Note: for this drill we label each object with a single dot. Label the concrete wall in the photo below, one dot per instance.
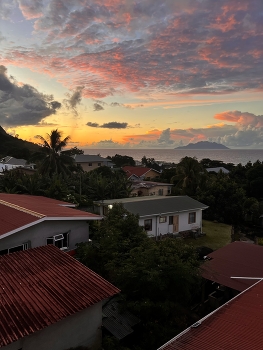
(154, 191)
(37, 234)
(80, 329)
(164, 228)
(94, 165)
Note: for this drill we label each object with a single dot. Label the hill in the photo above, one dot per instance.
(203, 145)
(15, 147)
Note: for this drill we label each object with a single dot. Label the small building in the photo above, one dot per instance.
(150, 188)
(90, 162)
(217, 170)
(49, 300)
(32, 221)
(140, 173)
(161, 215)
(9, 162)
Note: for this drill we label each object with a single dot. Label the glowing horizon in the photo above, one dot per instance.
(121, 73)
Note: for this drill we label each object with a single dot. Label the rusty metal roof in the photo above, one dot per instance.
(236, 259)
(17, 211)
(237, 325)
(41, 286)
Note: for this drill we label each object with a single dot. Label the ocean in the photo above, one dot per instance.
(234, 156)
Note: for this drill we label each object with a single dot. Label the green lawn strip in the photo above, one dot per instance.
(217, 235)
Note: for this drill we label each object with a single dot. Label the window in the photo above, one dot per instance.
(99, 164)
(192, 218)
(171, 220)
(90, 164)
(17, 248)
(162, 219)
(148, 225)
(160, 192)
(61, 240)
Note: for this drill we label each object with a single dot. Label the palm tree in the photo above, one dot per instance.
(188, 173)
(54, 161)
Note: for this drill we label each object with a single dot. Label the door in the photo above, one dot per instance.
(176, 223)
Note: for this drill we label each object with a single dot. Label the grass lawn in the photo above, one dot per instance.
(217, 235)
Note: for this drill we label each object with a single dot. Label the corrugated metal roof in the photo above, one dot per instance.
(237, 325)
(235, 259)
(40, 286)
(155, 205)
(119, 323)
(17, 210)
(85, 158)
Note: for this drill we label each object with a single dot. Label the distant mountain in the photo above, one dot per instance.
(203, 145)
(15, 147)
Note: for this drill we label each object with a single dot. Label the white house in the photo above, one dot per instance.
(90, 162)
(161, 215)
(8, 163)
(32, 221)
(49, 300)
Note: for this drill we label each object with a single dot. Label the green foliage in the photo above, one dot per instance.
(224, 198)
(53, 161)
(188, 176)
(158, 279)
(150, 163)
(121, 161)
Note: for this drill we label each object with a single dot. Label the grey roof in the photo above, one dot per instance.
(156, 205)
(217, 169)
(13, 161)
(85, 158)
(118, 323)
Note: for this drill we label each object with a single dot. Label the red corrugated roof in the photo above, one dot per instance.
(234, 260)
(19, 210)
(138, 171)
(43, 205)
(237, 325)
(41, 286)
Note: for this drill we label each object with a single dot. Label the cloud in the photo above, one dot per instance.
(74, 99)
(97, 107)
(93, 125)
(143, 48)
(110, 125)
(241, 118)
(23, 104)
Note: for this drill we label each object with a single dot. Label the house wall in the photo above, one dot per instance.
(153, 191)
(151, 174)
(80, 329)
(94, 165)
(164, 228)
(37, 234)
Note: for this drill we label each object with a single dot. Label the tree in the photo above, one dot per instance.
(159, 280)
(188, 174)
(53, 161)
(150, 163)
(121, 161)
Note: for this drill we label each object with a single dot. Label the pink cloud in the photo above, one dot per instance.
(241, 118)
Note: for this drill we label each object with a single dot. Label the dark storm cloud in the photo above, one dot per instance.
(97, 107)
(110, 125)
(23, 105)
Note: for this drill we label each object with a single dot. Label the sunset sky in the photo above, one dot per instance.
(133, 73)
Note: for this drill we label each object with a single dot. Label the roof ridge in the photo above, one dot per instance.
(25, 210)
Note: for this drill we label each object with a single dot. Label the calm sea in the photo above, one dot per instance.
(234, 156)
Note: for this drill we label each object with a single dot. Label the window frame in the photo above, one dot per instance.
(148, 223)
(162, 219)
(89, 164)
(190, 220)
(24, 246)
(58, 238)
